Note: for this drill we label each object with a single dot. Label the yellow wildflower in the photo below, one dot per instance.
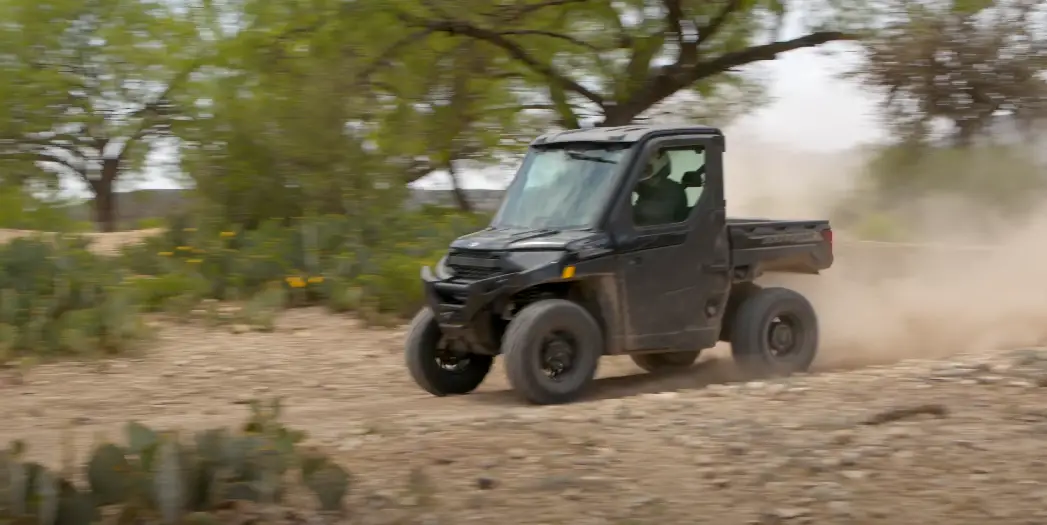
(184, 248)
(194, 261)
(166, 254)
(295, 282)
(316, 280)
(228, 234)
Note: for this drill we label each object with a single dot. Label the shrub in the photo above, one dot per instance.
(158, 477)
(56, 298)
(20, 209)
(325, 260)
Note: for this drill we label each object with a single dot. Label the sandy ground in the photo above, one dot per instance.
(688, 448)
(106, 243)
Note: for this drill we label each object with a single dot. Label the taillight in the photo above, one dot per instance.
(827, 234)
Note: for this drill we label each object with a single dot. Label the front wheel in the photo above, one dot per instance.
(551, 350)
(435, 365)
(774, 333)
(666, 361)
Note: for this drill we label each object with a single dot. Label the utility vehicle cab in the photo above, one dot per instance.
(614, 241)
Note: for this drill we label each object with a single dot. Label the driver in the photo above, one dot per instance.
(660, 200)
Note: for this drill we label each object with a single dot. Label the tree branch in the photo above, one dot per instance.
(551, 34)
(499, 39)
(47, 157)
(729, 61)
(151, 109)
(676, 77)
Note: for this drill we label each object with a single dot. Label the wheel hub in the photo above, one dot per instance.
(782, 336)
(557, 356)
(449, 359)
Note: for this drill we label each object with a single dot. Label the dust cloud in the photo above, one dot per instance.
(973, 282)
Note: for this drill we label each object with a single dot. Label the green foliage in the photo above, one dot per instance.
(20, 210)
(901, 181)
(159, 477)
(638, 56)
(987, 56)
(1002, 178)
(70, 64)
(329, 260)
(58, 298)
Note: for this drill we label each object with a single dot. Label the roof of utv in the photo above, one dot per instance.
(630, 133)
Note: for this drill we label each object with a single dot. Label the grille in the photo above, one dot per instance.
(474, 265)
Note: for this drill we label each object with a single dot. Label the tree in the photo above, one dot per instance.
(956, 70)
(86, 85)
(614, 60)
(451, 106)
(279, 130)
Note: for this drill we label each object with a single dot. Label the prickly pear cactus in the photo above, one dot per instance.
(13, 483)
(109, 475)
(45, 497)
(169, 482)
(158, 479)
(140, 438)
(75, 507)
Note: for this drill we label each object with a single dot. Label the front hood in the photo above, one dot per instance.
(507, 239)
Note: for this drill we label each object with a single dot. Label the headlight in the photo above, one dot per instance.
(532, 260)
(442, 271)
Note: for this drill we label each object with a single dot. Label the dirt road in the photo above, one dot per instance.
(683, 449)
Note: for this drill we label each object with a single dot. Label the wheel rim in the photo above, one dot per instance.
(449, 359)
(783, 335)
(559, 355)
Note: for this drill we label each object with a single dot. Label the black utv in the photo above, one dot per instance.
(615, 241)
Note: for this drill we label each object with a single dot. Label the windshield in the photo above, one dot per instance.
(561, 187)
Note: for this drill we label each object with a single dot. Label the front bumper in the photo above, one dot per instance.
(456, 304)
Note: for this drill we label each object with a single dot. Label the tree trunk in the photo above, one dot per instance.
(105, 209)
(618, 116)
(460, 198)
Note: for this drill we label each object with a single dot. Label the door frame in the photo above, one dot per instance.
(630, 239)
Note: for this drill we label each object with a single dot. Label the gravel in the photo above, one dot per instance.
(951, 441)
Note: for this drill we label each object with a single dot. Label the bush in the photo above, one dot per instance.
(995, 177)
(157, 477)
(58, 298)
(326, 260)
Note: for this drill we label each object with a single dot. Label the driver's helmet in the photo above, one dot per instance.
(658, 168)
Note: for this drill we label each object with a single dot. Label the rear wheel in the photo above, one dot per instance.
(774, 333)
(438, 366)
(551, 350)
(666, 361)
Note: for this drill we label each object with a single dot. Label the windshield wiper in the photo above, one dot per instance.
(582, 156)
